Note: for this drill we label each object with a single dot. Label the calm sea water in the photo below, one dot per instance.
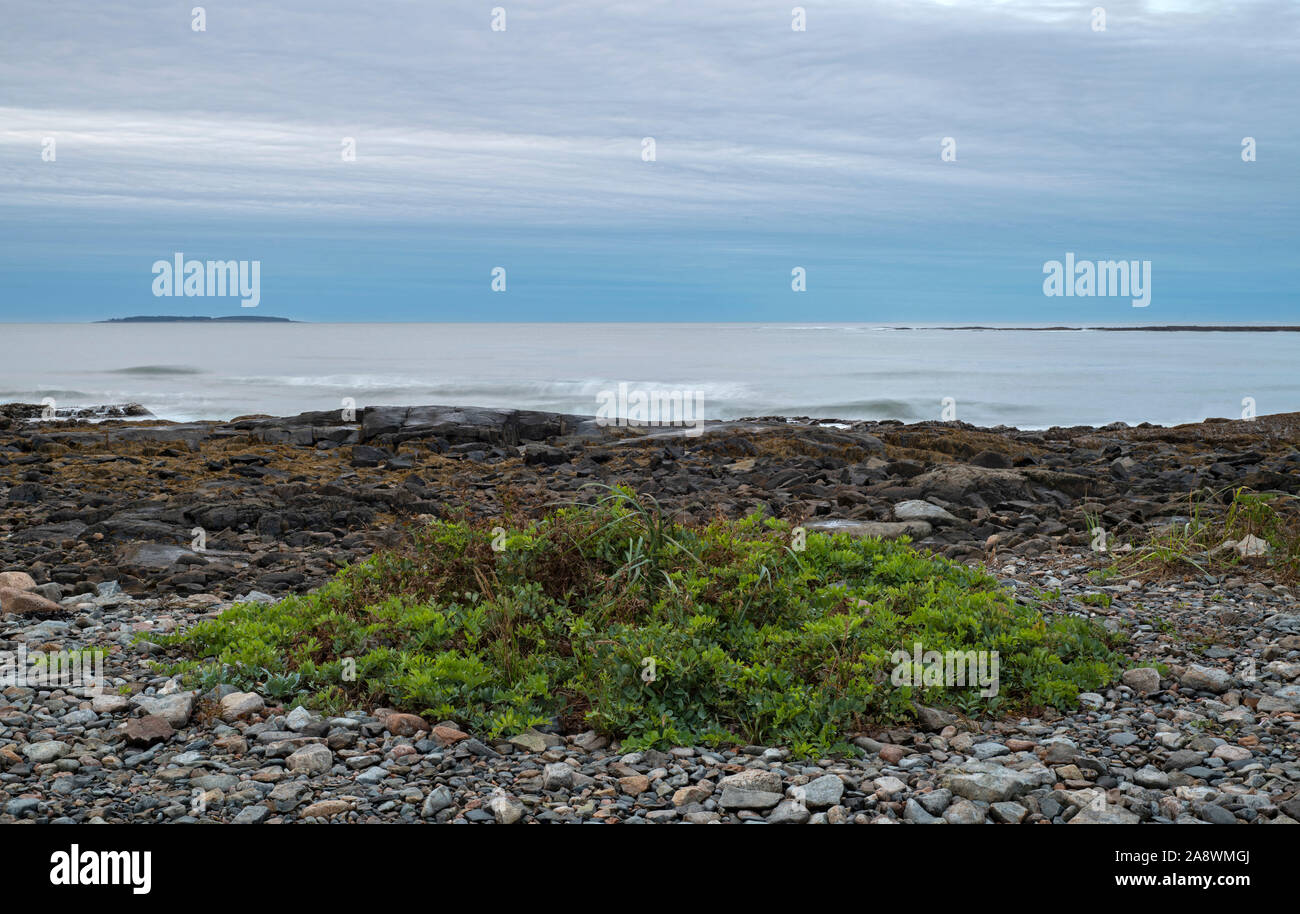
(1021, 378)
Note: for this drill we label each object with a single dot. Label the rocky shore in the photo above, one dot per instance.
(113, 528)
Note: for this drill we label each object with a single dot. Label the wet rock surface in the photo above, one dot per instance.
(278, 504)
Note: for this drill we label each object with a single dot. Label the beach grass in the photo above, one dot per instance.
(1227, 530)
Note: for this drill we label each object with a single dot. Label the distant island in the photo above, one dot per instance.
(172, 319)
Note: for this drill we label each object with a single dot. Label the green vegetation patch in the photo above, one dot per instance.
(1217, 521)
(612, 616)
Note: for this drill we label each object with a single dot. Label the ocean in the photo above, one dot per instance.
(1029, 379)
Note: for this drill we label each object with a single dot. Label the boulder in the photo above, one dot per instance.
(14, 602)
(916, 510)
(17, 580)
(1142, 679)
(988, 782)
(238, 705)
(1206, 679)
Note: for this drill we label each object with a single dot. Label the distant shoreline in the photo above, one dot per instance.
(1155, 328)
(170, 319)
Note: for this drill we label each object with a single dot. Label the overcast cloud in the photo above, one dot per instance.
(764, 136)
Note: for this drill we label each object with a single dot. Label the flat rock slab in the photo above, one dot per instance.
(917, 510)
(988, 782)
(460, 425)
(154, 556)
(885, 530)
(739, 798)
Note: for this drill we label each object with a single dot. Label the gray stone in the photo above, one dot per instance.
(819, 792)
(988, 782)
(1150, 776)
(915, 812)
(1008, 813)
(298, 719)
(989, 750)
(1206, 679)
(438, 799)
(313, 759)
(505, 810)
(287, 795)
(372, 775)
(475, 747)
(758, 779)
(1104, 814)
(1183, 758)
(914, 510)
(557, 776)
(110, 704)
(46, 751)
(238, 705)
(886, 530)
(23, 806)
(789, 812)
(1216, 815)
(175, 709)
(739, 798)
(935, 719)
(530, 741)
(1143, 680)
(963, 812)
(252, 815)
(935, 801)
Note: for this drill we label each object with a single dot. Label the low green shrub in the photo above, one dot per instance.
(611, 616)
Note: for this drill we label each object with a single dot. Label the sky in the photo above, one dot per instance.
(774, 149)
